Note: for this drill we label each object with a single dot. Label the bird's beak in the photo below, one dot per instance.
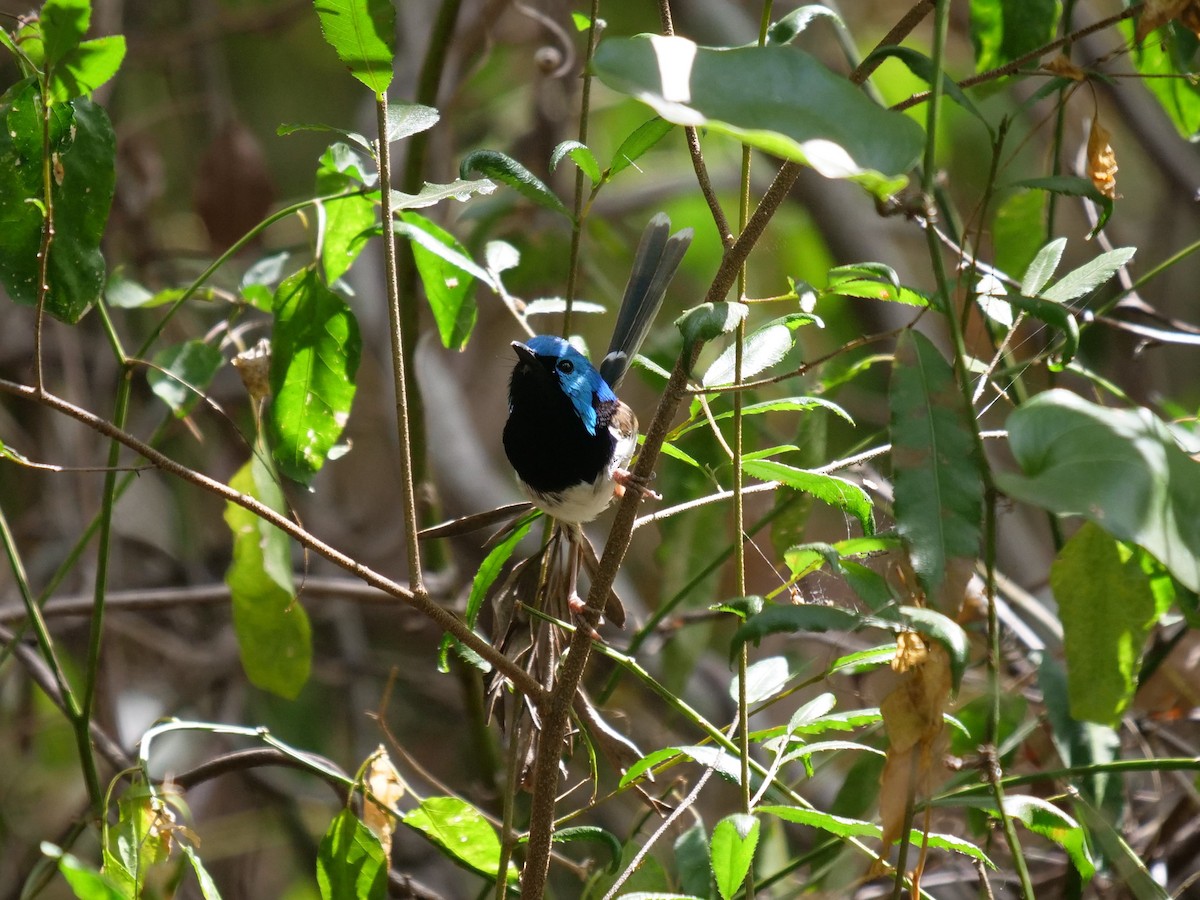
(524, 354)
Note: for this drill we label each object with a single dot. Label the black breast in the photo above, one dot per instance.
(544, 438)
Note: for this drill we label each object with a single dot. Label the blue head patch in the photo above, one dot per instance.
(577, 377)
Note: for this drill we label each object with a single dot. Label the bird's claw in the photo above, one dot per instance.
(583, 615)
(626, 480)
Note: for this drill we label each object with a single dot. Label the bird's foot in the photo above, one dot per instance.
(627, 481)
(584, 616)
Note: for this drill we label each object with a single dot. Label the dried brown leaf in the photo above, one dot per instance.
(1157, 13)
(1063, 66)
(386, 787)
(1101, 160)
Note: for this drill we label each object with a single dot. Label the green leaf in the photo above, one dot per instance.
(803, 617)
(708, 321)
(273, 632)
(1071, 186)
(1119, 468)
(499, 167)
(1107, 609)
(348, 221)
(1016, 230)
(786, 404)
(590, 834)
(1041, 270)
(351, 864)
(86, 883)
(430, 194)
(941, 628)
(734, 841)
(1052, 313)
(806, 558)
(361, 142)
(643, 138)
(64, 23)
(939, 489)
(83, 147)
(1124, 862)
(580, 155)
(184, 371)
(1089, 276)
(724, 764)
(406, 119)
(922, 66)
(763, 348)
(790, 26)
(846, 827)
(777, 99)
(462, 833)
(446, 272)
(877, 290)
(87, 67)
(692, 861)
(208, 888)
(363, 33)
(1165, 61)
(1004, 30)
(837, 492)
(315, 349)
(1044, 818)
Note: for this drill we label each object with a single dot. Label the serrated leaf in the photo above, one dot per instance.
(1041, 270)
(503, 168)
(1107, 609)
(590, 834)
(763, 348)
(775, 98)
(183, 370)
(273, 632)
(406, 119)
(639, 142)
(837, 492)
(430, 193)
(87, 67)
(351, 864)
(1120, 468)
(707, 321)
(461, 832)
(1089, 276)
(580, 155)
(734, 840)
(315, 350)
(446, 273)
(938, 485)
(363, 33)
(83, 150)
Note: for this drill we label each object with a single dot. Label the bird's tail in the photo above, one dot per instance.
(658, 256)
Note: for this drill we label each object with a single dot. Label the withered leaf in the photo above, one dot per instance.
(1101, 160)
(1063, 66)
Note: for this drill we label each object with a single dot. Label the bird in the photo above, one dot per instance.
(568, 436)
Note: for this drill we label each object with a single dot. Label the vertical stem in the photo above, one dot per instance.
(1060, 120)
(929, 175)
(585, 105)
(399, 357)
(43, 286)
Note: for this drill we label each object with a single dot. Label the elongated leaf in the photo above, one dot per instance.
(315, 349)
(83, 149)
(363, 33)
(1071, 186)
(1124, 860)
(803, 617)
(85, 882)
(878, 290)
(590, 834)
(692, 861)
(1089, 276)
(774, 98)
(580, 155)
(274, 636)
(430, 194)
(189, 367)
(725, 764)
(922, 66)
(1044, 818)
(1004, 30)
(734, 840)
(710, 320)
(788, 404)
(446, 273)
(348, 220)
(406, 119)
(1107, 609)
(837, 492)
(1052, 313)
(1041, 270)
(643, 138)
(785, 30)
(763, 348)
(87, 67)
(939, 489)
(208, 887)
(1163, 58)
(502, 168)
(1119, 468)
(461, 832)
(351, 864)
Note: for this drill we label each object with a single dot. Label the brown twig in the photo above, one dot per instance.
(440, 616)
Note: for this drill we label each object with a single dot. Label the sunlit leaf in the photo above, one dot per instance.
(406, 119)
(448, 276)
(763, 348)
(734, 840)
(710, 320)
(580, 155)
(363, 33)
(502, 168)
(461, 832)
(837, 492)
(87, 67)
(644, 137)
(1004, 30)
(183, 370)
(350, 861)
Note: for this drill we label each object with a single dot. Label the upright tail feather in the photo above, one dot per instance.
(654, 265)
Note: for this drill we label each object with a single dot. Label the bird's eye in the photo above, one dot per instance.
(566, 366)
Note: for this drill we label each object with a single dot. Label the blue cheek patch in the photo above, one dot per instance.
(577, 386)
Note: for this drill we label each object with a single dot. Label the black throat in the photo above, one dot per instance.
(544, 438)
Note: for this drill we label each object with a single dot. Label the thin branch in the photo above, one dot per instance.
(440, 616)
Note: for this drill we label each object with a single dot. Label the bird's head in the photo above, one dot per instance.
(552, 362)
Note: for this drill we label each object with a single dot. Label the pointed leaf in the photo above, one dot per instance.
(461, 832)
(1004, 30)
(446, 273)
(837, 492)
(430, 194)
(775, 98)
(351, 864)
(939, 489)
(580, 155)
(1041, 270)
(87, 67)
(315, 350)
(710, 320)
(64, 23)
(273, 632)
(363, 33)
(1119, 468)
(643, 138)
(803, 617)
(692, 861)
(406, 119)
(348, 221)
(1089, 276)
(499, 167)
(762, 349)
(734, 840)
(790, 26)
(189, 367)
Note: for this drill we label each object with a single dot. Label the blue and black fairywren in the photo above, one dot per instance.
(568, 436)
